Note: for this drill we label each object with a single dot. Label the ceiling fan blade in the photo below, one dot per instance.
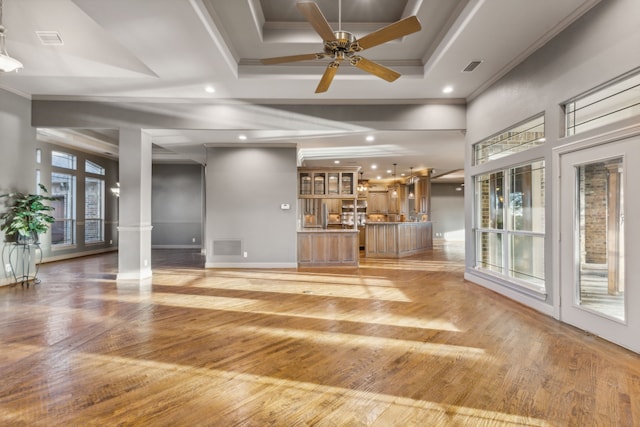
(390, 32)
(327, 77)
(314, 15)
(292, 58)
(374, 68)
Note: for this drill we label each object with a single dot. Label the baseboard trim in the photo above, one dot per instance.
(522, 298)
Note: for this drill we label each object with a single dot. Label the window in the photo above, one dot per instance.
(94, 168)
(65, 177)
(63, 189)
(615, 101)
(509, 224)
(519, 138)
(93, 210)
(63, 160)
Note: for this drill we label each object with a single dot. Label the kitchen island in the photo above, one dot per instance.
(318, 247)
(397, 239)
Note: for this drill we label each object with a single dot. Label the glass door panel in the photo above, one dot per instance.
(333, 182)
(347, 183)
(600, 237)
(305, 184)
(318, 183)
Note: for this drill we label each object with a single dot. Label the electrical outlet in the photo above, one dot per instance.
(193, 239)
(245, 254)
(7, 268)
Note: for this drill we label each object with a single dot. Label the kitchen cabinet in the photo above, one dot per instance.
(336, 182)
(397, 239)
(377, 202)
(318, 248)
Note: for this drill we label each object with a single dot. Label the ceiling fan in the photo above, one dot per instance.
(342, 45)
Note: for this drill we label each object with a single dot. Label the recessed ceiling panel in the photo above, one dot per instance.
(352, 10)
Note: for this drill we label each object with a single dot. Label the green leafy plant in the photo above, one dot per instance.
(27, 216)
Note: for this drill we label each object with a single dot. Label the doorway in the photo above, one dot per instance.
(595, 241)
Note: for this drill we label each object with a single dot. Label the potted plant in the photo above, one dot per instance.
(27, 216)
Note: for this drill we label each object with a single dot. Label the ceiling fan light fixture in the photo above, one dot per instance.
(7, 63)
(342, 45)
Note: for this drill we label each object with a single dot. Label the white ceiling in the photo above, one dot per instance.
(170, 50)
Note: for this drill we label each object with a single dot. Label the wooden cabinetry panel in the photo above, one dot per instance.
(377, 202)
(328, 248)
(395, 240)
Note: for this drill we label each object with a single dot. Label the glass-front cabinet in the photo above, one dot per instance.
(327, 182)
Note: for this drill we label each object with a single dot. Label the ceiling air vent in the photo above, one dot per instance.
(472, 66)
(50, 38)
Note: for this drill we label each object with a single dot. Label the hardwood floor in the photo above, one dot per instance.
(392, 343)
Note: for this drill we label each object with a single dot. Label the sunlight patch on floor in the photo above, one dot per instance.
(275, 308)
(247, 395)
(353, 340)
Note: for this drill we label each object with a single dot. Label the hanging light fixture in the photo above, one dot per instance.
(394, 193)
(7, 63)
(411, 193)
(362, 184)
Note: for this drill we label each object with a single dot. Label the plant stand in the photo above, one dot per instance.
(21, 256)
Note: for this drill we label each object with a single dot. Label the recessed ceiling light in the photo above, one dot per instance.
(389, 171)
(242, 137)
(447, 89)
(371, 138)
(374, 166)
(378, 177)
(336, 162)
(209, 89)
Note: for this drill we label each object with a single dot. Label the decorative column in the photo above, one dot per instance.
(134, 218)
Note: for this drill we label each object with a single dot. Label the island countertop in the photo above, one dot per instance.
(325, 230)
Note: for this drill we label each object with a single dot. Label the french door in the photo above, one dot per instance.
(600, 239)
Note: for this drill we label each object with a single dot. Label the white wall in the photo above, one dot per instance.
(245, 188)
(602, 45)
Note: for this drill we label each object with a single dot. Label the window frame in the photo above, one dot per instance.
(504, 230)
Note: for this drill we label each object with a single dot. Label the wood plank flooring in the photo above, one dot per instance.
(392, 343)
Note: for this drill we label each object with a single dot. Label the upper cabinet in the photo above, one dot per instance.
(327, 183)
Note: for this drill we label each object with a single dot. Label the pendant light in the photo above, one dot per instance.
(411, 193)
(362, 185)
(394, 193)
(7, 63)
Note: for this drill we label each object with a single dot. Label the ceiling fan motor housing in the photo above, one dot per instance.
(345, 42)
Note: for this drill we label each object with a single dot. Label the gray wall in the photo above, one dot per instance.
(17, 155)
(245, 188)
(17, 144)
(447, 211)
(602, 45)
(177, 205)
